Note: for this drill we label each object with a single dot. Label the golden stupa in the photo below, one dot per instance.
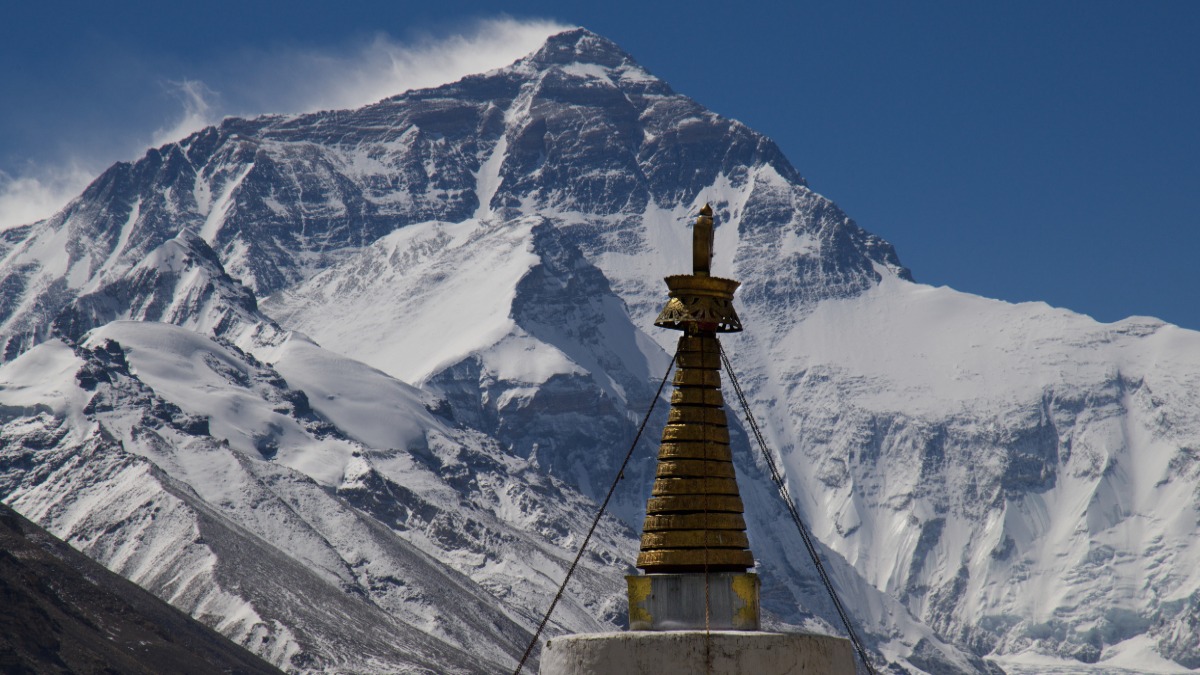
(694, 545)
(695, 607)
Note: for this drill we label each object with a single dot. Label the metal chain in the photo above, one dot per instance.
(791, 507)
(596, 521)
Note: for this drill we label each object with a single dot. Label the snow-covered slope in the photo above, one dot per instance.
(988, 479)
(1023, 477)
(198, 472)
(181, 282)
(521, 337)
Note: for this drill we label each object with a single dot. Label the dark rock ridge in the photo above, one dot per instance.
(64, 613)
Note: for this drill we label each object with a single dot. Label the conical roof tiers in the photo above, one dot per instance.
(694, 517)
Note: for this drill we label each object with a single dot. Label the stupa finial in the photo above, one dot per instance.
(699, 301)
(702, 243)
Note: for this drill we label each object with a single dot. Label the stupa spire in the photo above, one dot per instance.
(694, 517)
(694, 535)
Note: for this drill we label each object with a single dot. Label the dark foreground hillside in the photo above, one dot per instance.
(62, 612)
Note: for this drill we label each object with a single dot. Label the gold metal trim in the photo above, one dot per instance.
(688, 309)
(746, 588)
(694, 486)
(698, 378)
(691, 558)
(699, 359)
(694, 539)
(694, 504)
(702, 243)
(693, 468)
(639, 590)
(715, 287)
(712, 451)
(695, 432)
(697, 396)
(697, 415)
(694, 521)
(694, 343)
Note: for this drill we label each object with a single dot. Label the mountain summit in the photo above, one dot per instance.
(395, 351)
(577, 127)
(580, 45)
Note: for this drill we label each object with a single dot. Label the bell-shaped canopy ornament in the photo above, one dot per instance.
(700, 303)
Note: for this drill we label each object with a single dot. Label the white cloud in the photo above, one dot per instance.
(40, 193)
(286, 81)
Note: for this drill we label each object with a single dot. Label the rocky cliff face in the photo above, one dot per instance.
(987, 479)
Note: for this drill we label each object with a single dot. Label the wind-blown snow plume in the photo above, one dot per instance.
(283, 80)
(323, 79)
(200, 104)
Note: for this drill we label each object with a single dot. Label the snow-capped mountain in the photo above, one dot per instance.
(399, 348)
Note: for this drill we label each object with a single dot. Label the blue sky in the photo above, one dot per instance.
(1019, 150)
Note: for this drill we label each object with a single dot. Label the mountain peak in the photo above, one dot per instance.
(579, 45)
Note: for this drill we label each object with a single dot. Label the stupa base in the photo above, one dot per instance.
(690, 652)
(719, 601)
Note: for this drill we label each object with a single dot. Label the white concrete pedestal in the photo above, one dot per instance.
(686, 653)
